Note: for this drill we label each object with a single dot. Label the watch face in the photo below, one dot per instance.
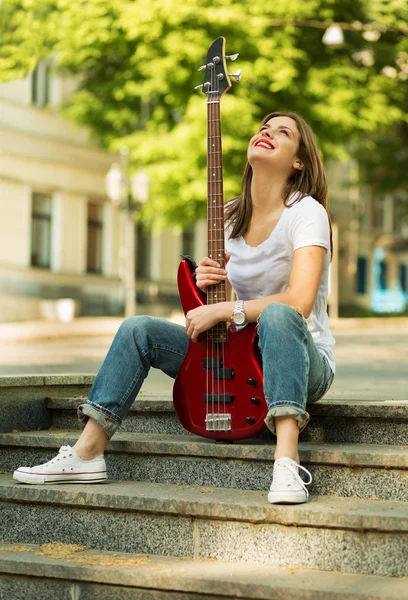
(239, 318)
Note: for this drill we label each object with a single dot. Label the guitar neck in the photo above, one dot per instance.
(215, 195)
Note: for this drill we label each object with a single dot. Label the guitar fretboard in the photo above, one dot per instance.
(215, 196)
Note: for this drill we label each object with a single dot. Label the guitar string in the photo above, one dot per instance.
(216, 190)
(208, 425)
(210, 208)
(212, 333)
(216, 383)
(220, 210)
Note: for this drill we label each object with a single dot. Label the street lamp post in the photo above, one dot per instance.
(127, 194)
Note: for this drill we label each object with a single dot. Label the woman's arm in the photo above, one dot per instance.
(304, 281)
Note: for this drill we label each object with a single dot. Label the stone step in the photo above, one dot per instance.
(37, 401)
(342, 421)
(328, 533)
(349, 470)
(23, 398)
(149, 413)
(61, 571)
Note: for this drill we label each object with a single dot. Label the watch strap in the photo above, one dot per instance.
(239, 309)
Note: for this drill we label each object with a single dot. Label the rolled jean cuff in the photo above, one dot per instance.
(105, 421)
(286, 410)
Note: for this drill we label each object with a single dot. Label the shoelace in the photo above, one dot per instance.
(291, 468)
(62, 451)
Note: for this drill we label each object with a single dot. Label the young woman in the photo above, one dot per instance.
(278, 244)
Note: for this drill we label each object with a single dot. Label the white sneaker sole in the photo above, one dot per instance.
(287, 497)
(44, 478)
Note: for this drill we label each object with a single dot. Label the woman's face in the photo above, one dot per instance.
(276, 143)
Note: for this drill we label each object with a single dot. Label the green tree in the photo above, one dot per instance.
(138, 59)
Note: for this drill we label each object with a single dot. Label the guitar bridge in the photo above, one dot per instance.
(218, 422)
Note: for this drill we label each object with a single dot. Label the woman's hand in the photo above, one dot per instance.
(200, 319)
(209, 272)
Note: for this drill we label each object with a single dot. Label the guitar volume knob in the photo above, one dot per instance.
(249, 420)
(252, 381)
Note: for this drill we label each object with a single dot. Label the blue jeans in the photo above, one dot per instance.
(295, 373)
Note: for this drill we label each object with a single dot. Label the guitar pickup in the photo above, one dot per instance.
(212, 363)
(218, 398)
(224, 374)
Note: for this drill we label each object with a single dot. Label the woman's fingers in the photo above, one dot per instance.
(209, 272)
(211, 275)
(207, 282)
(206, 261)
(209, 279)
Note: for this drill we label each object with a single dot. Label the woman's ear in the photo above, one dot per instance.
(298, 164)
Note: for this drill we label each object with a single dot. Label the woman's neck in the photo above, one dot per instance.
(266, 193)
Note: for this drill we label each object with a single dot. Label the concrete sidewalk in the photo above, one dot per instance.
(108, 326)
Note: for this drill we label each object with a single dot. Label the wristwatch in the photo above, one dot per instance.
(238, 314)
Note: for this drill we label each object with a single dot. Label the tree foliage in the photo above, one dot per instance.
(138, 65)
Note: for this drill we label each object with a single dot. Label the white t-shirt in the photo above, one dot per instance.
(264, 270)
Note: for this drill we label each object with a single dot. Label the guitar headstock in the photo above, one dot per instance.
(217, 79)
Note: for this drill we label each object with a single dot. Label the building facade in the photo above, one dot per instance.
(371, 246)
(60, 236)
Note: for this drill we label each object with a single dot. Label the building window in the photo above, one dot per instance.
(361, 281)
(377, 213)
(400, 218)
(40, 85)
(95, 232)
(187, 242)
(143, 252)
(403, 277)
(383, 275)
(41, 231)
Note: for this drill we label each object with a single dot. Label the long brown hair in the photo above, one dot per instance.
(309, 181)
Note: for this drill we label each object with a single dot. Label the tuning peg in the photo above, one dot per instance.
(202, 68)
(232, 57)
(236, 75)
(205, 85)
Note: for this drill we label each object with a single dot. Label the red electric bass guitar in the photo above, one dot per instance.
(218, 392)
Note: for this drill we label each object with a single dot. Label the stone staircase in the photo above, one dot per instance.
(184, 517)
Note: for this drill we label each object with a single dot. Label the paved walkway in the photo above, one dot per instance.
(372, 357)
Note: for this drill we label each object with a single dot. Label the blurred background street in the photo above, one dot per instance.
(371, 361)
(103, 167)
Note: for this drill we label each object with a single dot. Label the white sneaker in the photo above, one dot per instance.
(287, 486)
(66, 467)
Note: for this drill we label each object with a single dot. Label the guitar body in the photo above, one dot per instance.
(218, 392)
(245, 403)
